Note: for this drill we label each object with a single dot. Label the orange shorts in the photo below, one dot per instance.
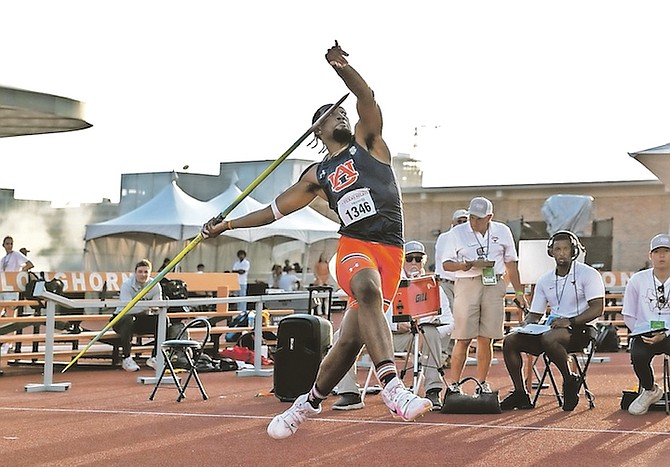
(354, 255)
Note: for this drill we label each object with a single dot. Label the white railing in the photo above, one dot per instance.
(53, 299)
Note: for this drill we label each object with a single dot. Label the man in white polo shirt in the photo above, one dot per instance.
(482, 254)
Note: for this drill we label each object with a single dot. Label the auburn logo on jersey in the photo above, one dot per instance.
(343, 176)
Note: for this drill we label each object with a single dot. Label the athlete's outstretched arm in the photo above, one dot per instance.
(368, 130)
(295, 197)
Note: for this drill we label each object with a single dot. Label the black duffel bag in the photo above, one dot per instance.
(456, 402)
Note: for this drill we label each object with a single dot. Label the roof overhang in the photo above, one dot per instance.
(32, 113)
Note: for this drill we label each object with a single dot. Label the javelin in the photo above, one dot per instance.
(193, 243)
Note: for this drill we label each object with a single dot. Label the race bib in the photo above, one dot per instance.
(356, 205)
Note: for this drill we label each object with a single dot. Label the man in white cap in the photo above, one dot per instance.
(436, 330)
(646, 312)
(483, 255)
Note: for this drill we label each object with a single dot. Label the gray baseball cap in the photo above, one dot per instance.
(480, 207)
(415, 247)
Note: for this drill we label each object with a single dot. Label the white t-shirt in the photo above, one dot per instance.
(244, 264)
(567, 296)
(463, 244)
(288, 281)
(641, 303)
(13, 261)
(439, 258)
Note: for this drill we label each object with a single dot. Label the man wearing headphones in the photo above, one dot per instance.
(575, 295)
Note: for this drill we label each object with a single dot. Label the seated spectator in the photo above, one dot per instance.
(646, 312)
(139, 320)
(273, 280)
(575, 294)
(288, 281)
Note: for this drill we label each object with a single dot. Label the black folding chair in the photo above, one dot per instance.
(581, 368)
(191, 349)
(666, 384)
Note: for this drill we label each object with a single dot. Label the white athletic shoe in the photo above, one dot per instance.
(404, 403)
(151, 362)
(646, 398)
(129, 364)
(285, 424)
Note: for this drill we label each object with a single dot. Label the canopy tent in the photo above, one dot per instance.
(158, 229)
(302, 235)
(171, 213)
(657, 160)
(305, 225)
(161, 228)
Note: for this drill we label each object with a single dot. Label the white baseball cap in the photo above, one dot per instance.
(459, 213)
(660, 241)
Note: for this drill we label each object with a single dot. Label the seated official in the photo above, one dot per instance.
(436, 332)
(646, 312)
(288, 281)
(139, 320)
(575, 295)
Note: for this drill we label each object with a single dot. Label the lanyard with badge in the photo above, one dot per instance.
(661, 303)
(488, 273)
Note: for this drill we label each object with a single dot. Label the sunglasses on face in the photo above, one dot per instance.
(416, 258)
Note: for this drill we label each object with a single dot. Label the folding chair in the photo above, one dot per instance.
(665, 400)
(417, 367)
(666, 383)
(191, 349)
(581, 368)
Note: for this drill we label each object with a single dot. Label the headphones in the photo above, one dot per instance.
(577, 246)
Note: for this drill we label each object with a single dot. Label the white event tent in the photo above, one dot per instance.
(161, 228)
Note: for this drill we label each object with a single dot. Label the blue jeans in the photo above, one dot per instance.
(241, 306)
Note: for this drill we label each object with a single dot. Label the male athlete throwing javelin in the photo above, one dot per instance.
(357, 180)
